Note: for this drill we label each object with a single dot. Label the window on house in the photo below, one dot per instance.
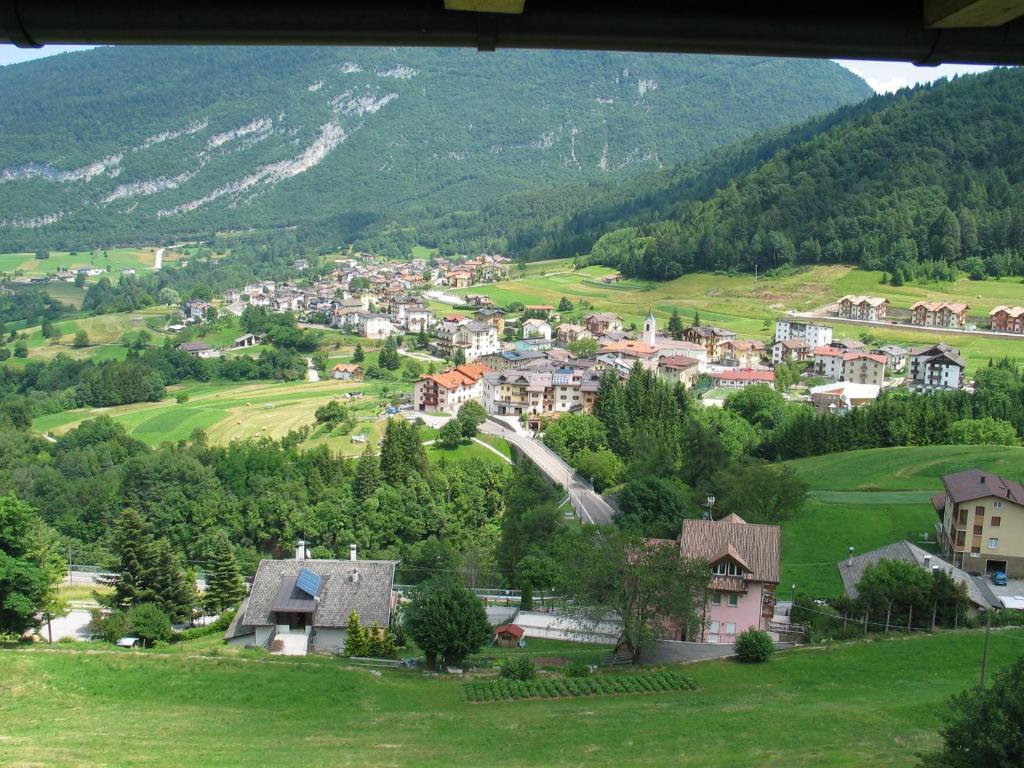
(977, 530)
(993, 543)
(716, 598)
(734, 600)
(975, 551)
(713, 628)
(979, 511)
(730, 628)
(997, 505)
(727, 568)
(996, 521)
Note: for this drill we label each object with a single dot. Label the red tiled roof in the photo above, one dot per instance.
(827, 352)
(859, 355)
(745, 375)
(510, 629)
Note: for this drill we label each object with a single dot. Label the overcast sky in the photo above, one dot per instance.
(883, 76)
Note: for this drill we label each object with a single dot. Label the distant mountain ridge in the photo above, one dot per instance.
(138, 144)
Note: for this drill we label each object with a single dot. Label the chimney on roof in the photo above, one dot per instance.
(849, 562)
(301, 550)
(352, 552)
(935, 569)
(981, 479)
(927, 560)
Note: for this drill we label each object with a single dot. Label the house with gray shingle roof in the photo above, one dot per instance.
(312, 599)
(852, 570)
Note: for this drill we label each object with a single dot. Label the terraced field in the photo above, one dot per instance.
(869, 498)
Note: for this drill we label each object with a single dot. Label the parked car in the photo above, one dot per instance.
(999, 578)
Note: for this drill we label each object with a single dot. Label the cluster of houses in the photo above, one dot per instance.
(930, 314)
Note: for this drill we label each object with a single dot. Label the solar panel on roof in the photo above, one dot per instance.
(308, 582)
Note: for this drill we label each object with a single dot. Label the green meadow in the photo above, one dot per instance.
(202, 705)
(869, 498)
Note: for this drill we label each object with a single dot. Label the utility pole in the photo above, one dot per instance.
(984, 654)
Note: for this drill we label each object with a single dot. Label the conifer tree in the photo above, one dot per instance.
(368, 478)
(675, 325)
(357, 642)
(358, 356)
(132, 541)
(170, 587)
(224, 586)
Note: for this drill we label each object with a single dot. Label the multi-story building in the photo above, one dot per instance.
(828, 362)
(372, 325)
(710, 337)
(448, 390)
(863, 307)
(535, 328)
(936, 368)
(895, 357)
(1007, 319)
(600, 323)
(537, 392)
(790, 350)
(444, 334)
(938, 314)
(632, 351)
(477, 339)
(566, 333)
(418, 318)
(491, 316)
(744, 560)
(679, 369)
(982, 522)
(813, 334)
(864, 368)
(741, 353)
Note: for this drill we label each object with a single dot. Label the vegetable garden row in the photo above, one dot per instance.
(598, 685)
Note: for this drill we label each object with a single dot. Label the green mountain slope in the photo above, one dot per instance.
(129, 144)
(919, 183)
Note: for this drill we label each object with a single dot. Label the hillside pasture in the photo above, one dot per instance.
(112, 259)
(869, 498)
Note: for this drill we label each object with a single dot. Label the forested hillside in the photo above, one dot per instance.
(916, 183)
(129, 144)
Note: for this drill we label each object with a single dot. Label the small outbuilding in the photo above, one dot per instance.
(508, 635)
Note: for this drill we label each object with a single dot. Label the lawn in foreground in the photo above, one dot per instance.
(875, 703)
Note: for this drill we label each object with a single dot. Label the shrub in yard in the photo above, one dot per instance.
(150, 624)
(754, 645)
(576, 668)
(518, 667)
(110, 627)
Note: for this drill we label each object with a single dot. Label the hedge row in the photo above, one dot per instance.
(598, 685)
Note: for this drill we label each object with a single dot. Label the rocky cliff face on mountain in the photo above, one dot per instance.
(137, 144)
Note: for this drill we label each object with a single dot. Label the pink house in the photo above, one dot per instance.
(744, 560)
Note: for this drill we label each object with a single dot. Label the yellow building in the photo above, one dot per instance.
(982, 522)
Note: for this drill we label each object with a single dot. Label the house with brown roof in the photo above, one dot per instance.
(709, 337)
(828, 362)
(938, 314)
(448, 390)
(744, 559)
(741, 353)
(346, 372)
(1007, 319)
(790, 350)
(863, 307)
(600, 323)
(982, 522)
(679, 369)
(938, 367)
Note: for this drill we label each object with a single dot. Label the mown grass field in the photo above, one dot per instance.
(848, 706)
(229, 411)
(869, 498)
(744, 305)
(111, 259)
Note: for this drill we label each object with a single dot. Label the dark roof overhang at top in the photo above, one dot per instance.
(927, 32)
(291, 599)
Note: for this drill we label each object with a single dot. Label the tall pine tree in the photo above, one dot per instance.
(675, 325)
(224, 586)
(368, 478)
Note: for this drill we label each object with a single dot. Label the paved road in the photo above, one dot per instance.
(591, 506)
(312, 374)
(158, 260)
